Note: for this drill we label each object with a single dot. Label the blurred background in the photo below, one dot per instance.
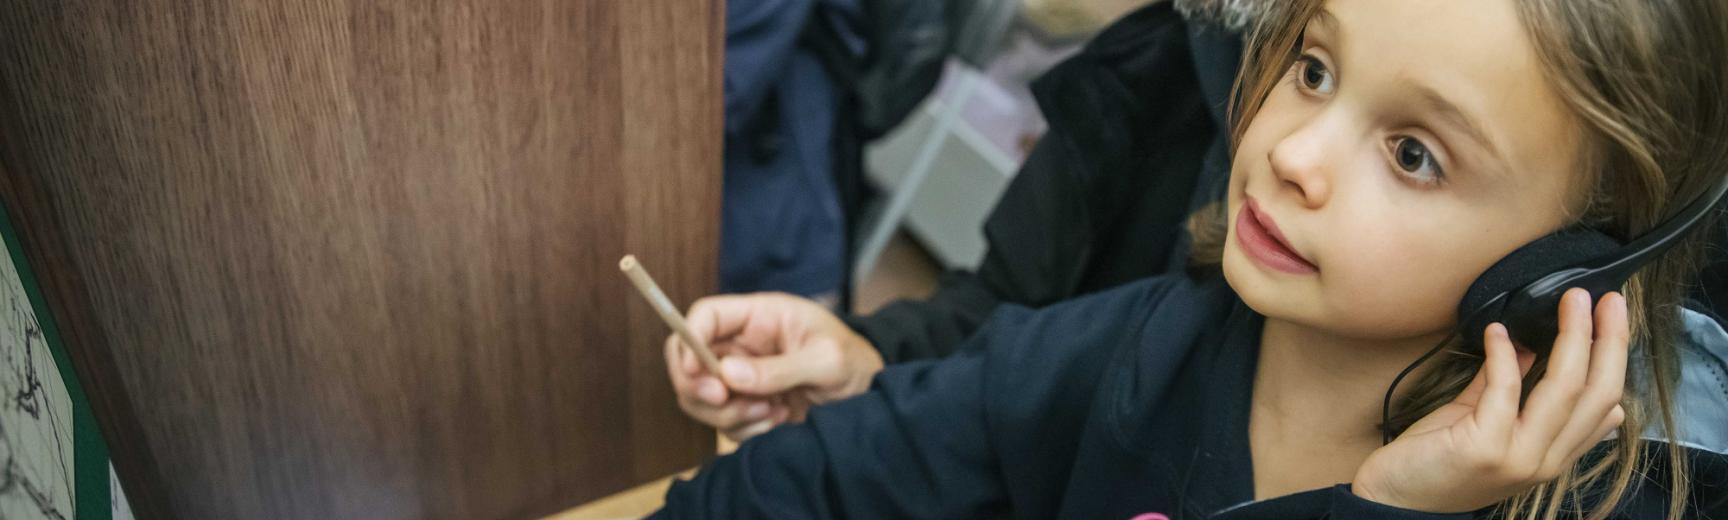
(884, 180)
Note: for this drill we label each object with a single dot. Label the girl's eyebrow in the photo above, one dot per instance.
(1450, 113)
(1327, 20)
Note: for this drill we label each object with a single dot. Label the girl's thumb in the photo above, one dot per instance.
(769, 375)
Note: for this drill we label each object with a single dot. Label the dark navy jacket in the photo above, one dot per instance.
(1127, 402)
(781, 224)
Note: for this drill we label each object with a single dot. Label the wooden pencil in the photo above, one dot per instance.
(663, 306)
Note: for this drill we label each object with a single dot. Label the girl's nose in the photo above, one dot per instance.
(1299, 162)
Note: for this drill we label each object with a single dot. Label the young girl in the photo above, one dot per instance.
(1387, 153)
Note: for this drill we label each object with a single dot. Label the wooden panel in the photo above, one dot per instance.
(357, 258)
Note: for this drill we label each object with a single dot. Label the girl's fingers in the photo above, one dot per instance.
(710, 391)
(1609, 422)
(719, 317)
(1472, 393)
(1604, 385)
(1551, 403)
(676, 364)
(681, 367)
(745, 431)
(1497, 408)
(734, 414)
(1613, 342)
(742, 411)
(696, 389)
(764, 333)
(754, 323)
(1526, 361)
(687, 359)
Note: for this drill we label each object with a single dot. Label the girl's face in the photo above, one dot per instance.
(1412, 145)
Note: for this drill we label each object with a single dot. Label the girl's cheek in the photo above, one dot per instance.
(1387, 269)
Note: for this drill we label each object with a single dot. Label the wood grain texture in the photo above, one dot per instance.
(357, 258)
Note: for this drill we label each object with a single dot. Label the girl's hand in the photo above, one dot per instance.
(1481, 449)
(781, 354)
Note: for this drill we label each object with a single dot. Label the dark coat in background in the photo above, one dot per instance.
(1136, 143)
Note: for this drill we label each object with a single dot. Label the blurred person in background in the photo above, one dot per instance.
(1136, 143)
(782, 225)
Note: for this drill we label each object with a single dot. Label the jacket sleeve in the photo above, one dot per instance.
(916, 445)
(1037, 236)
(1334, 503)
(991, 428)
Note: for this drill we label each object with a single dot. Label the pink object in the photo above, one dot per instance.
(1151, 516)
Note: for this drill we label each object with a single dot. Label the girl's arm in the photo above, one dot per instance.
(989, 430)
(915, 446)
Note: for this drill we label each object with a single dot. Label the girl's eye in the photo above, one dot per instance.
(1313, 74)
(1415, 160)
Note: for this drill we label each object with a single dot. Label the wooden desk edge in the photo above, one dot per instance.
(635, 502)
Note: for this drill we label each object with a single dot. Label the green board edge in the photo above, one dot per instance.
(91, 483)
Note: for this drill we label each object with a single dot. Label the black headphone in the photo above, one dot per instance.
(1522, 291)
(1511, 293)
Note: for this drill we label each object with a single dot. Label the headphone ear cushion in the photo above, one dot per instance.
(1559, 250)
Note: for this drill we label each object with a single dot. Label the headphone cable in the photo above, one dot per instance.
(1386, 404)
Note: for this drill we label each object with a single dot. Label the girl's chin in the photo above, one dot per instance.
(1259, 291)
(1271, 296)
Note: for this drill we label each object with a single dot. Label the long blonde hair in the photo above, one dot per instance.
(1649, 80)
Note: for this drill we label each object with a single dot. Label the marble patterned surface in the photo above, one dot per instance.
(35, 413)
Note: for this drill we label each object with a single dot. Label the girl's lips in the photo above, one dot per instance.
(1261, 240)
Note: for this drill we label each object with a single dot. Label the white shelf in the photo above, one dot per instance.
(942, 186)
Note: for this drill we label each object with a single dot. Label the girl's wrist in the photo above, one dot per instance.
(1366, 490)
(1367, 493)
(1389, 498)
